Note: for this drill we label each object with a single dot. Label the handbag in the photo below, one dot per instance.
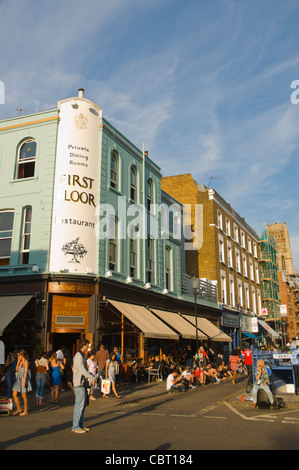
(105, 386)
(84, 382)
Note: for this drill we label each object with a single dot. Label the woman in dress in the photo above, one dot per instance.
(234, 360)
(110, 371)
(55, 365)
(22, 384)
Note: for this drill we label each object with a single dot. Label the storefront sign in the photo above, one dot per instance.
(73, 242)
(69, 312)
(71, 288)
(249, 324)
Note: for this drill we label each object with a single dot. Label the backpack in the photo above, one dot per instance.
(279, 403)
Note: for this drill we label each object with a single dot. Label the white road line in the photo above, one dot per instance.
(215, 417)
(245, 417)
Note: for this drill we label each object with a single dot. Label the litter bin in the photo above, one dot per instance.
(296, 375)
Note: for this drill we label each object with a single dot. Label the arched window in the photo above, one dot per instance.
(114, 176)
(26, 233)
(26, 159)
(6, 231)
(168, 263)
(133, 183)
(149, 194)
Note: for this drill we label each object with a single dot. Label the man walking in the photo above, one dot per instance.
(81, 396)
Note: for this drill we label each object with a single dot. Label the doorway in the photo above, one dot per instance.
(69, 340)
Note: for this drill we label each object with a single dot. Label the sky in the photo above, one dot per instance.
(204, 85)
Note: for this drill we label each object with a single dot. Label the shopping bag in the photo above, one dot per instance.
(105, 386)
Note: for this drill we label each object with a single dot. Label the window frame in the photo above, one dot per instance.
(9, 237)
(22, 162)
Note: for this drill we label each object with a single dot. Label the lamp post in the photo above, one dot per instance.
(195, 284)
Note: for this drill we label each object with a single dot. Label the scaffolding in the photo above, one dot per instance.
(269, 279)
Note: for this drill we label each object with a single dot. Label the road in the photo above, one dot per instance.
(201, 419)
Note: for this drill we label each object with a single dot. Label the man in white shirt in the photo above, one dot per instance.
(174, 382)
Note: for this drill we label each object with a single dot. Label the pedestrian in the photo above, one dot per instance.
(68, 370)
(10, 372)
(119, 360)
(248, 359)
(92, 369)
(234, 360)
(261, 382)
(55, 368)
(22, 384)
(111, 371)
(100, 358)
(42, 367)
(80, 372)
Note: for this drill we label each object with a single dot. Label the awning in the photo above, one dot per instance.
(176, 321)
(146, 321)
(249, 335)
(10, 306)
(269, 329)
(213, 332)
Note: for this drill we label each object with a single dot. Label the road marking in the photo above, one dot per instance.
(245, 417)
(215, 417)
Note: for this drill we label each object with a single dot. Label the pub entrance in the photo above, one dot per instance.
(69, 340)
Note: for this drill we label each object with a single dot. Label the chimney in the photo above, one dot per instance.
(81, 92)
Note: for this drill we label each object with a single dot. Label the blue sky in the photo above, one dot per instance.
(204, 84)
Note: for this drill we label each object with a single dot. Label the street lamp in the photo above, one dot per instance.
(195, 284)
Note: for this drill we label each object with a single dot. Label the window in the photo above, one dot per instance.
(168, 278)
(236, 233)
(227, 223)
(113, 239)
(223, 287)
(257, 274)
(133, 183)
(149, 194)
(6, 230)
(238, 263)
(247, 297)
(26, 159)
(114, 170)
(26, 235)
(240, 293)
(229, 255)
(245, 271)
(219, 220)
(232, 290)
(249, 248)
(150, 260)
(242, 239)
(221, 251)
(133, 251)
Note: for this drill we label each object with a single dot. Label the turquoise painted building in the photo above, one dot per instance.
(83, 216)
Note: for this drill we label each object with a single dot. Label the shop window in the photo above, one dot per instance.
(6, 231)
(26, 159)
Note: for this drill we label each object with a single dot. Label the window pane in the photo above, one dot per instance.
(28, 150)
(6, 221)
(5, 246)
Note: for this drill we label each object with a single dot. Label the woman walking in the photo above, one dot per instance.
(55, 367)
(22, 384)
(42, 367)
(110, 371)
(234, 360)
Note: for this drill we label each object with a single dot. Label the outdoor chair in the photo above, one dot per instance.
(155, 373)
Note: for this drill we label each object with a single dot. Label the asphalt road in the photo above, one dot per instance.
(212, 418)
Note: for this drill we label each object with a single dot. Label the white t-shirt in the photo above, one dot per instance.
(169, 381)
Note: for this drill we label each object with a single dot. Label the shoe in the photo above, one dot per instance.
(92, 398)
(86, 429)
(79, 431)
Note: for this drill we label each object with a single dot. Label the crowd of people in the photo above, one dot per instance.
(55, 371)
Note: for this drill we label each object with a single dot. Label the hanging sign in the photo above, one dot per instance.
(73, 242)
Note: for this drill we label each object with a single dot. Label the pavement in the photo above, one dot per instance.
(132, 392)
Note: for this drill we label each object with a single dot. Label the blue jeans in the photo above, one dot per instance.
(79, 407)
(10, 379)
(40, 385)
(256, 388)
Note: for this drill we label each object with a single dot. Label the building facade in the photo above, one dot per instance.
(84, 223)
(227, 253)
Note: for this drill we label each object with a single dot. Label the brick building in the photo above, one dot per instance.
(225, 251)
